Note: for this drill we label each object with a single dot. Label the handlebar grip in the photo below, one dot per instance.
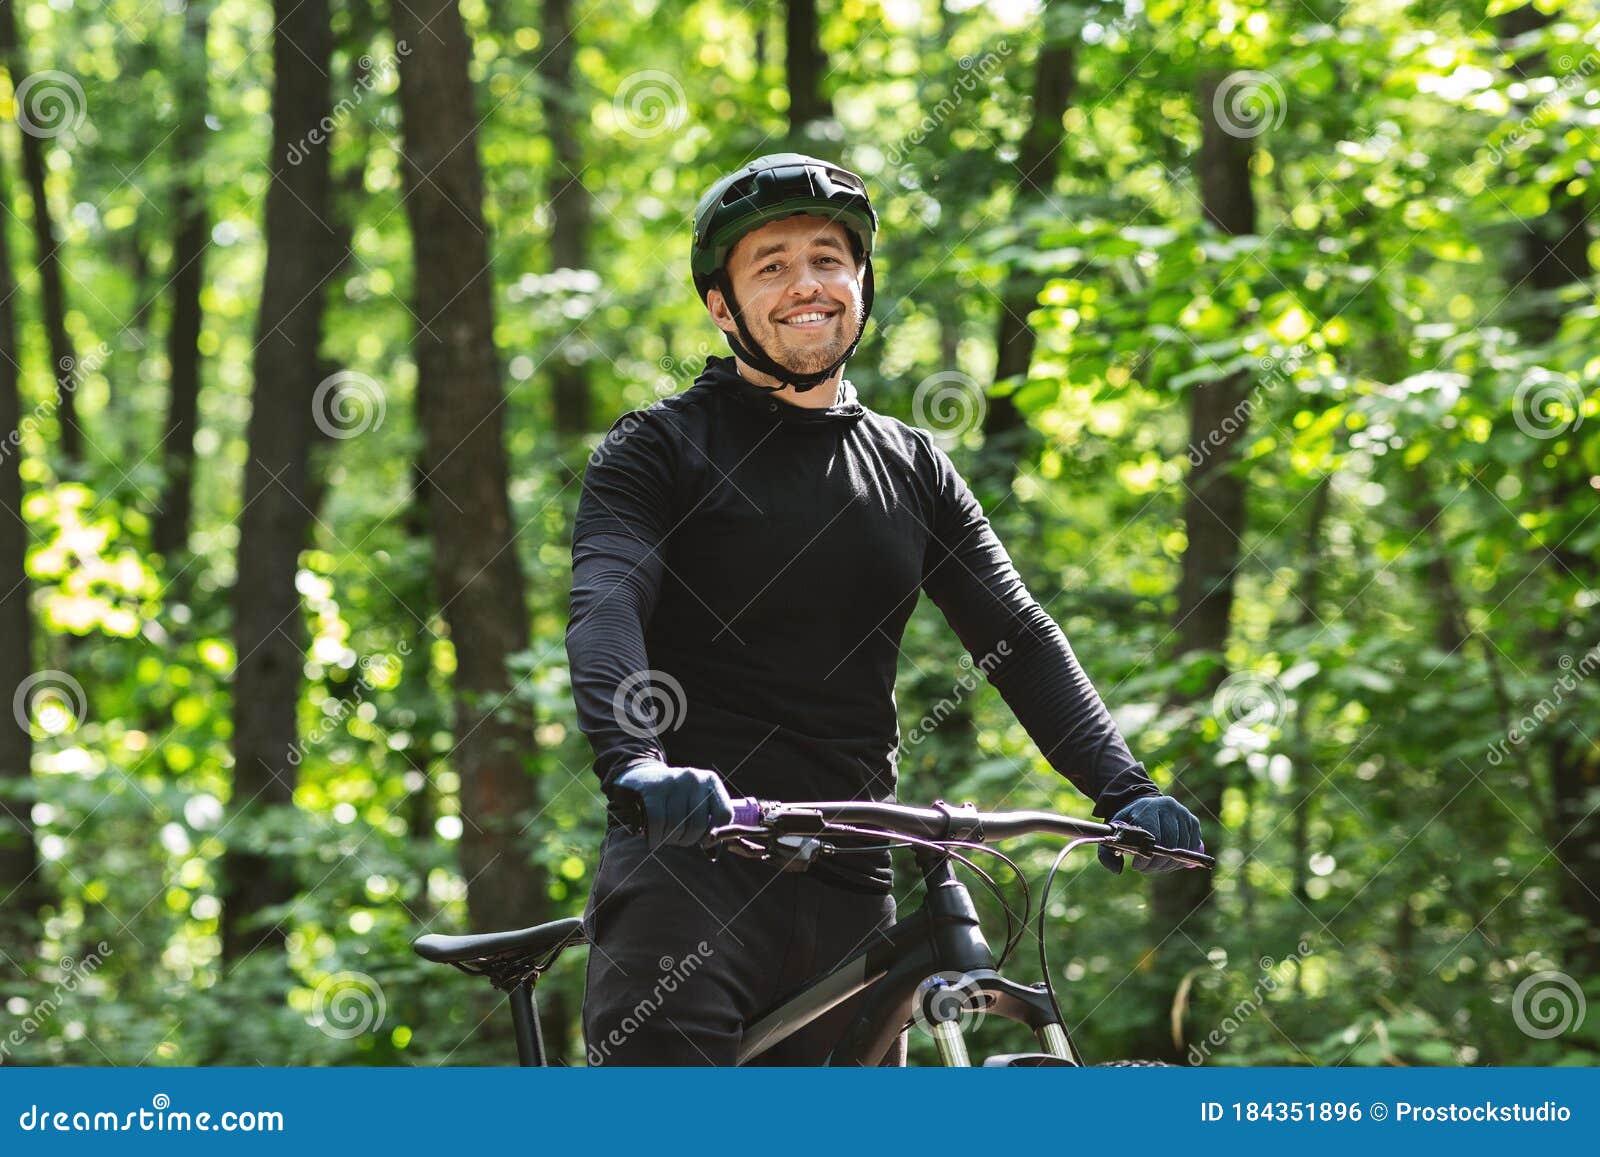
(1187, 858)
(627, 808)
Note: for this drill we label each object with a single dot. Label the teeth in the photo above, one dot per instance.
(800, 318)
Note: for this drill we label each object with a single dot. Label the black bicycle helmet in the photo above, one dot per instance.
(767, 189)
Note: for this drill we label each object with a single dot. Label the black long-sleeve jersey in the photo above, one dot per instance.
(743, 570)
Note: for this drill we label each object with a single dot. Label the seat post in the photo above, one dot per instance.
(525, 1019)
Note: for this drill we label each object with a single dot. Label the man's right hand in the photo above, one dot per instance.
(681, 804)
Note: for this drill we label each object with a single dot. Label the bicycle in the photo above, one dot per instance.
(936, 966)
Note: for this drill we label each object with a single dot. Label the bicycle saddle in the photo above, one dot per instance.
(507, 957)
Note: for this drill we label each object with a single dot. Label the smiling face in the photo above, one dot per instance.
(799, 287)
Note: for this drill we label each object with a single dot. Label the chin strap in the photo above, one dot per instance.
(749, 350)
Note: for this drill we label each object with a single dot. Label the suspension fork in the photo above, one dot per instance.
(959, 946)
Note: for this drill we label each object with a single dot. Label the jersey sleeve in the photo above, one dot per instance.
(625, 514)
(970, 578)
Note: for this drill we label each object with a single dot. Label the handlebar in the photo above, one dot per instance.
(941, 823)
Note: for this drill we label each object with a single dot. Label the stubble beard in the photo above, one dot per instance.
(813, 357)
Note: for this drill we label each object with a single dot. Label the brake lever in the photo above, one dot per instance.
(1132, 840)
(1189, 859)
(741, 847)
(729, 832)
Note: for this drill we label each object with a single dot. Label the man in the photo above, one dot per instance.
(745, 558)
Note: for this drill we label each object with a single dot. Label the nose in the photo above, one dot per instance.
(806, 283)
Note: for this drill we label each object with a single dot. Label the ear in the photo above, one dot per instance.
(717, 306)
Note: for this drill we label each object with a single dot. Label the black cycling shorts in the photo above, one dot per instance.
(685, 952)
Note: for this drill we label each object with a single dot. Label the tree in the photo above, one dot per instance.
(460, 408)
(569, 205)
(807, 65)
(1038, 163)
(46, 249)
(191, 227)
(20, 894)
(1213, 519)
(269, 634)
(1550, 256)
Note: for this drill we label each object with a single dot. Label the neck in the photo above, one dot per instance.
(819, 397)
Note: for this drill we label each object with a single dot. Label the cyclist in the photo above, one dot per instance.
(745, 557)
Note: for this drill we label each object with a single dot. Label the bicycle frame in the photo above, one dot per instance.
(942, 937)
(937, 953)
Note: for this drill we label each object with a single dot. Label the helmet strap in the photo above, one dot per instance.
(748, 350)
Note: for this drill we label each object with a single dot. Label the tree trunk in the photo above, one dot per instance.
(807, 67)
(1214, 522)
(422, 811)
(1552, 252)
(1300, 737)
(350, 185)
(21, 895)
(343, 409)
(1038, 165)
(569, 207)
(46, 255)
(759, 16)
(460, 408)
(269, 630)
(1553, 249)
(192, 226)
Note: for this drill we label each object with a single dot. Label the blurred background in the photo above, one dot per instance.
(1266, 334)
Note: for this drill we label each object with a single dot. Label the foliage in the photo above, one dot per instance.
(1377, 314)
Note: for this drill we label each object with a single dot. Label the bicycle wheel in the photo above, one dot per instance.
(1135, 1065)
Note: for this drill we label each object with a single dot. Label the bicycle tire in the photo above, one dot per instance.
(1135, 1065)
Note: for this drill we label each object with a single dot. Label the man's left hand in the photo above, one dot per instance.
(1172, 824)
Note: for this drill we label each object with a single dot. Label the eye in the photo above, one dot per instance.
(770, 266)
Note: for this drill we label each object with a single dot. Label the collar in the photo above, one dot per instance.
(722, 376)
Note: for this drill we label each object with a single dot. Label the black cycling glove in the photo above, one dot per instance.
(1172, 824)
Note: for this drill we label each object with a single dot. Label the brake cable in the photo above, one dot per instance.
(1027, 899)
(989, 881)
(1044, 905)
